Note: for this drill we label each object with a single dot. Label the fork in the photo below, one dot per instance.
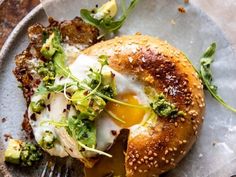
(53, 168)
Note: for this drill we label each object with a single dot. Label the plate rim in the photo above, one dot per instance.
(39, 8)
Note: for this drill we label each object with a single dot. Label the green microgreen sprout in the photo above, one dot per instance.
(114, 116)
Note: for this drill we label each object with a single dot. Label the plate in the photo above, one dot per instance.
(214, 153)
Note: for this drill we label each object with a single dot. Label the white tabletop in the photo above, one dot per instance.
(223, 12)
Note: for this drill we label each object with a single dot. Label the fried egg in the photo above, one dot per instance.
(128, 90)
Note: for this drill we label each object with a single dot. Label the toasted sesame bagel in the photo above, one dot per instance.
(157, 146)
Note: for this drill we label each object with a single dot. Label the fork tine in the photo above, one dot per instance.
(45, 170)
(68, 165)
(52, 167)
(67, 171)
(59, 172)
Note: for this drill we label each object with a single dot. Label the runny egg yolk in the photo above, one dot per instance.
(130, 115)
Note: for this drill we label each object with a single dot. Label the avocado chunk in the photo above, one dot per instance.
(91, 105)
(37, 106)
(48, 49)
(108, 84)
(52, 45)
(107, 10)
(48, 140)
(13, 152)
(22, 153)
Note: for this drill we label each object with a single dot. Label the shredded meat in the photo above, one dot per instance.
(74, 32)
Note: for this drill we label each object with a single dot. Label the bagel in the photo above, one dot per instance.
(143, 64)
(158, 146)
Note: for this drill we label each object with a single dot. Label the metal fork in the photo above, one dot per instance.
(53, 168)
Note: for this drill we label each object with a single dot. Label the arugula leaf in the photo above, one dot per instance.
(108, 24)
(59, 56)
(206, 75)
(82, 129)
(60, 65)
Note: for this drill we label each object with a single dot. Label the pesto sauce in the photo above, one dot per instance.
(161, 106)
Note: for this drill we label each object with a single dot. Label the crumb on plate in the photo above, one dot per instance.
(173, 22)
(7, 136)
(4, 119)
(181, 9)
(186, 1)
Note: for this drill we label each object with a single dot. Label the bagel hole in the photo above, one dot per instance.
(115, 166)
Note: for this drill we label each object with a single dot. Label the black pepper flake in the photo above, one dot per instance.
(7, 136)
(113, 132)
(82, 150)
(96, 5)
(68, 94)
(49, 107)
(86, 93)
(33, 117)
(91, 103)
(112, 74)
(68, 107)
(3, 119)
(64, 110)
(70, 149)
(49, 95)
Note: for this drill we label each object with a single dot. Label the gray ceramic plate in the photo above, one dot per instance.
(214, 154)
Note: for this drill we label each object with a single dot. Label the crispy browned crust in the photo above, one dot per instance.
(158, 147)
(74, 32)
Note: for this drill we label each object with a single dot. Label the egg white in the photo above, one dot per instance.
(66, 145)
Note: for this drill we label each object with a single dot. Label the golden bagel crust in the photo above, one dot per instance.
(158, 146)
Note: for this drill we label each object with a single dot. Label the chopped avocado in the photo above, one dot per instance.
(91, 105)
(47, 71)
(37, 106)
(107, 10)
(29, 154)
(23, 153)
(48, 139)
(48, 49)
(52, 49)
(51, 45)
(108, 87)
(13, 151)
(161, 106)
